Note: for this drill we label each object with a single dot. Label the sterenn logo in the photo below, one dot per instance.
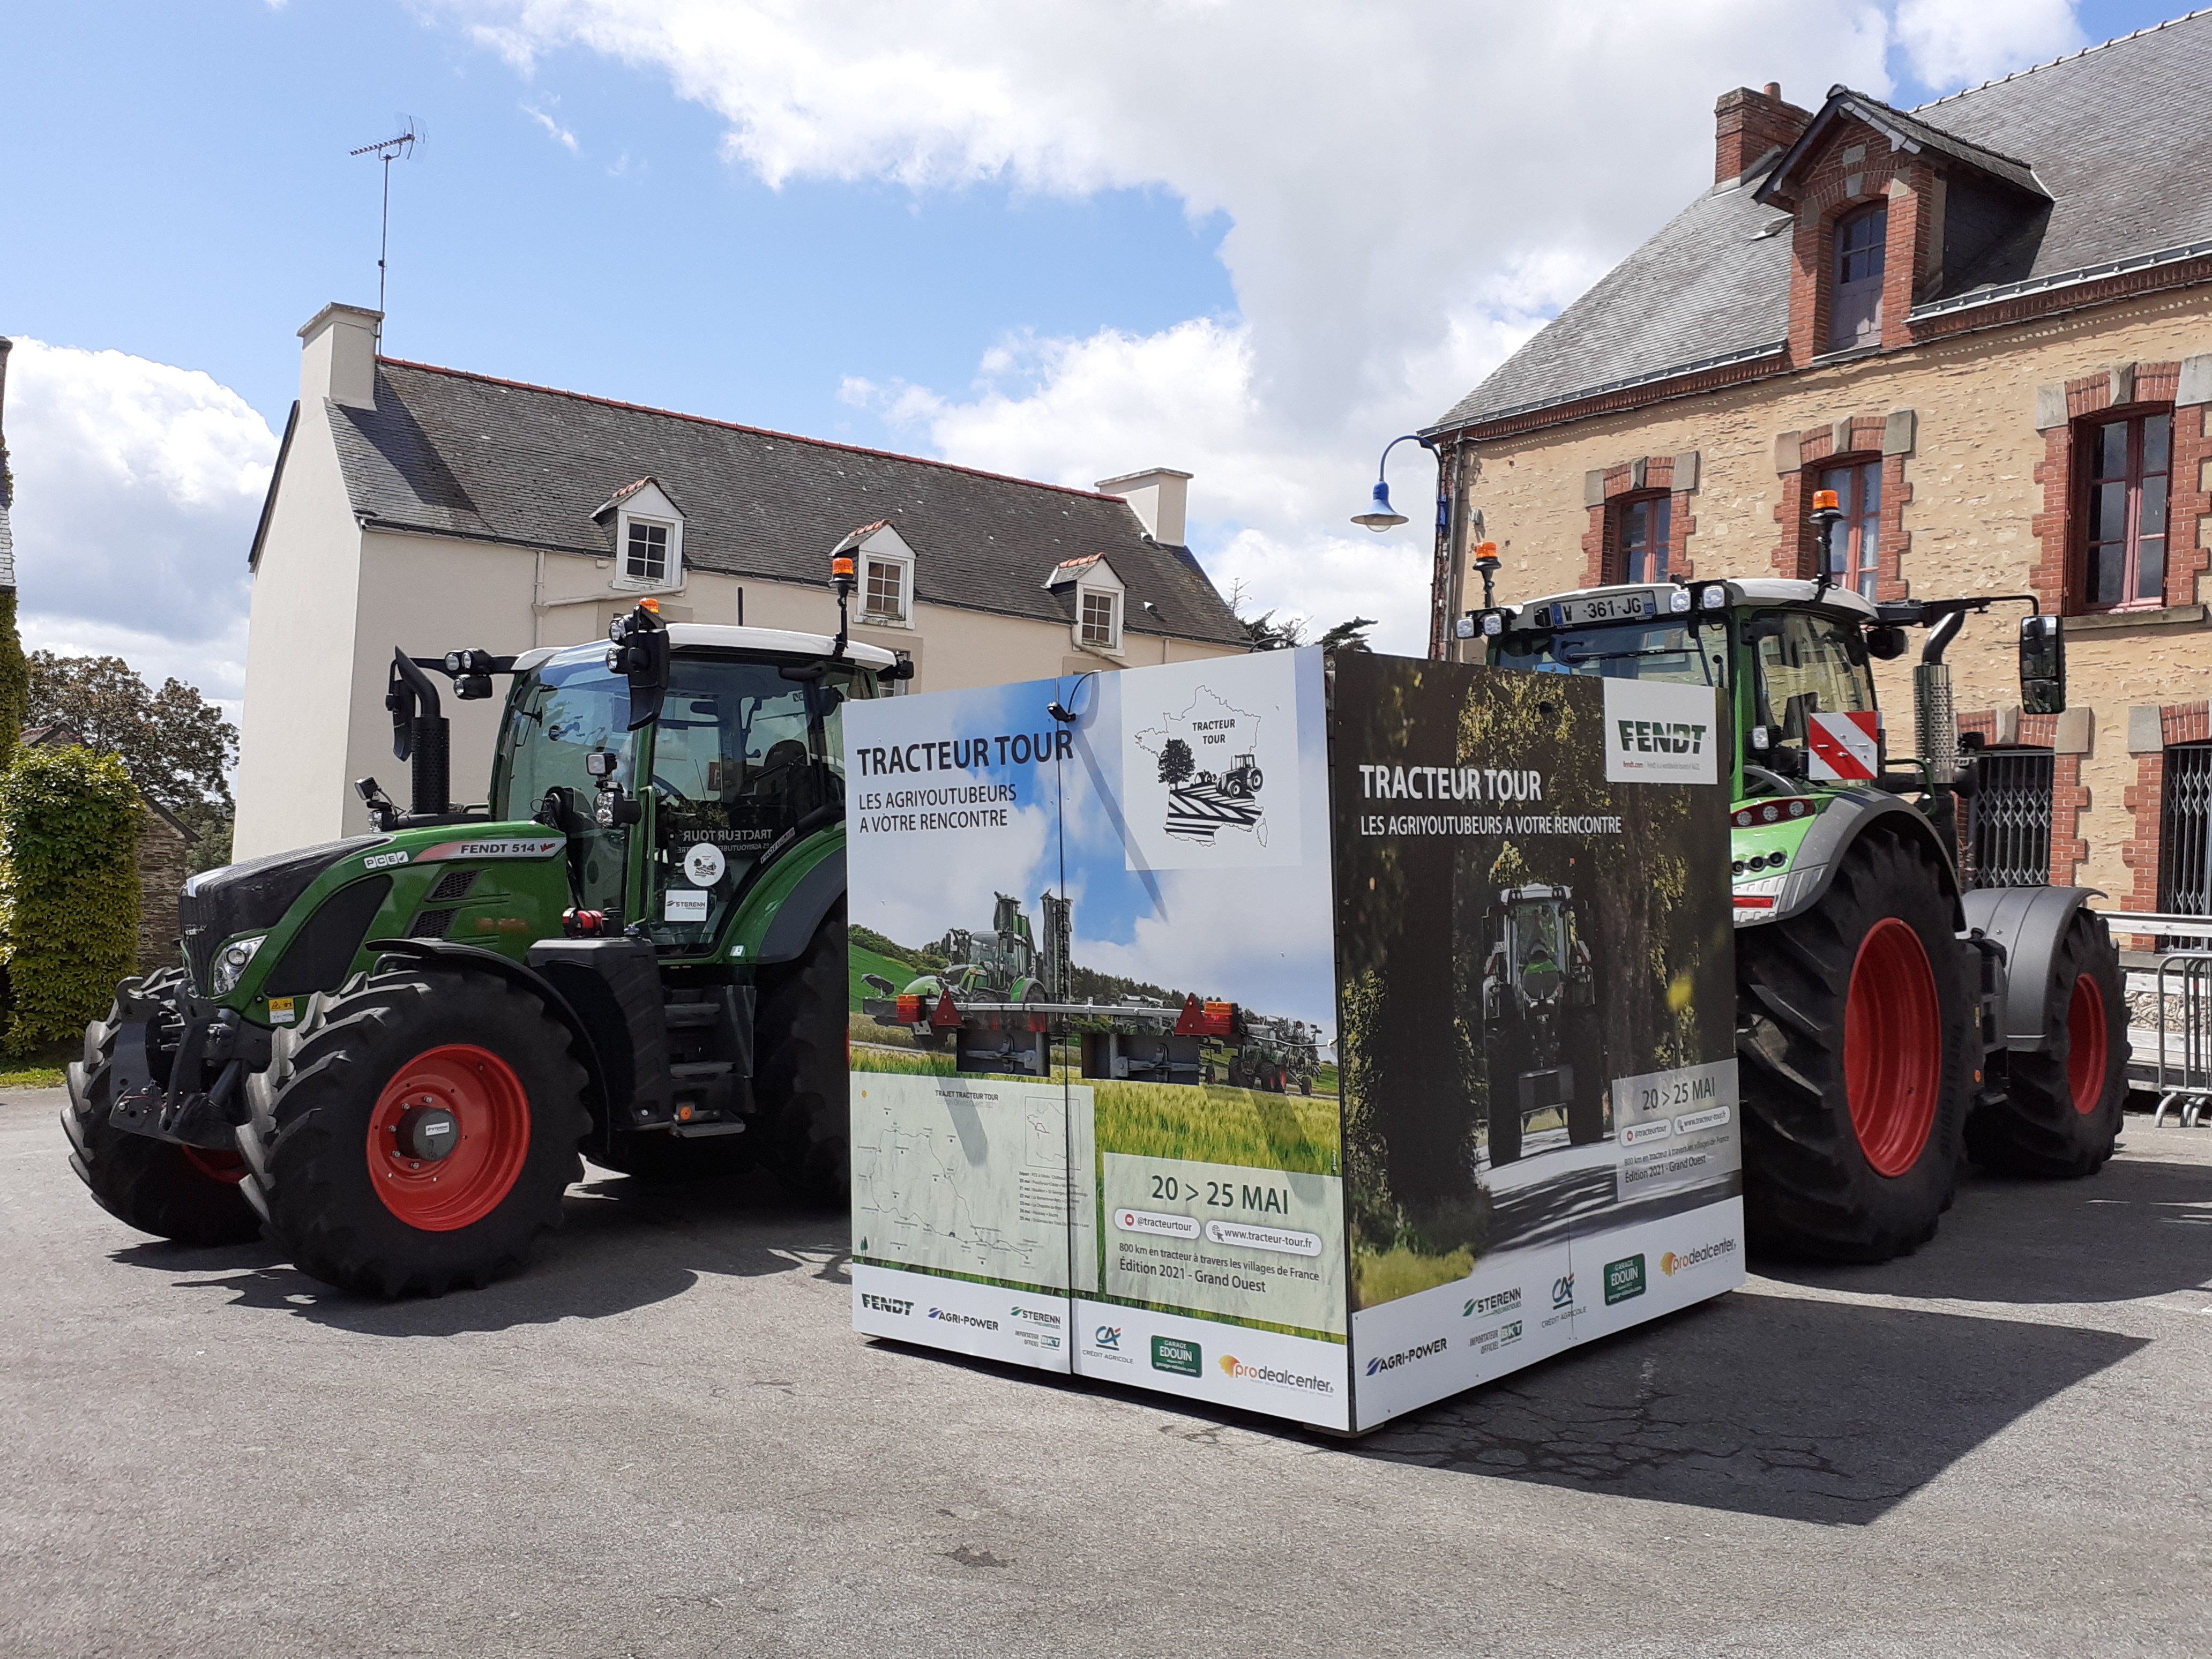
(1660, 736)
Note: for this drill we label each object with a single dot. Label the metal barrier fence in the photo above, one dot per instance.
(2182, 1068)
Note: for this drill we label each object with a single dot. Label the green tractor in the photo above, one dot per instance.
(391, 1049)
(1539, 1004)
(1002, 967)
(1891, 1020)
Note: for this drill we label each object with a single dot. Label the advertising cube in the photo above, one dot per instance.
(1319, 1039)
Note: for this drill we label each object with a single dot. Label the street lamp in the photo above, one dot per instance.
(1380, 514)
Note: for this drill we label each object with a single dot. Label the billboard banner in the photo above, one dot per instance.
(1295, 1047)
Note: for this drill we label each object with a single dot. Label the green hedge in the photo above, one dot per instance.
(14, 680)
(69, 821)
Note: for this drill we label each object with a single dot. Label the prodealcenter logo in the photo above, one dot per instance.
(1674, 1262)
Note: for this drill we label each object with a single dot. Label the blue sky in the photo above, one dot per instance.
(1250, 240)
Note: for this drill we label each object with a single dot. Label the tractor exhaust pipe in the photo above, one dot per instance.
(422, 735)
(1935, 715)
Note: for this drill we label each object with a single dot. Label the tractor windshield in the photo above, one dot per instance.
(557, 714)
(1807, 665)
(1690, 652)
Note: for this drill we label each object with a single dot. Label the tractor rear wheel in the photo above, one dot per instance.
(185, 1193)
(1855, 1026)
(425, 1128)
(1504, 1057)
(2061, 1113)
(804, 1119)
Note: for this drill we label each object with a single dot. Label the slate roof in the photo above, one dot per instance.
(466, 455)
(2119, 135)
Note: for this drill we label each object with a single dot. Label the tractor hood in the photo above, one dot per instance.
(239, 898)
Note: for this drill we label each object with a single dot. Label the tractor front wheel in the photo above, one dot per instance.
(425, 1130)
(805, 1121)
(1855, 1028)
(2061, 1112)
(185, 1193)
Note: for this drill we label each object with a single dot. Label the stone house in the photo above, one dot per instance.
(1985, 323)
(434, 509)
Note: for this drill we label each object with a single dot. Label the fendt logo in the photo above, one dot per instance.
(1391, 1363)
(1482, 1307)
(889, 1304)
(1672, 1263)
(1562, 1291)
(1660, 736)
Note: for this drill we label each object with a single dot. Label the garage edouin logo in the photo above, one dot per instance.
(1623, 1278)
(1659, 733)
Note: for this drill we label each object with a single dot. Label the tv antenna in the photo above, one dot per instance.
(388, 150)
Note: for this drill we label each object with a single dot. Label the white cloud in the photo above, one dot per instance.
(137, 487)
(559, 134)
(1412, 188)
(1952, 44)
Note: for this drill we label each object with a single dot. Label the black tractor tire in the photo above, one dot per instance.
(1505, 1050)
(1816, 1184)
(190, 1195)
(2061, 1113)
(355, 1212)
(805, 1117)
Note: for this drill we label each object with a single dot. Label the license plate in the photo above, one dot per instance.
(1605, 608)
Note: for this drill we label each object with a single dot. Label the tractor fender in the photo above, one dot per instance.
(791, 929)
(476, 959)
(2029, 922)
(1850, 814)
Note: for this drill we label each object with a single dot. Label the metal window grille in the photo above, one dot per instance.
(2185, 832)
(2009, 831)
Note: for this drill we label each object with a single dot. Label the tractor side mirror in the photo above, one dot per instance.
(639, 651)
(1886, 644)
(2042, 665)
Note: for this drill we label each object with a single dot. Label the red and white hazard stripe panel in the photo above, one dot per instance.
(1846, 747)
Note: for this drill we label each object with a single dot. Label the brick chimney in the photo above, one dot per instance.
(1748, 124)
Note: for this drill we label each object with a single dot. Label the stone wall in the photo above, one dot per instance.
(162, 851)
(1955, 422)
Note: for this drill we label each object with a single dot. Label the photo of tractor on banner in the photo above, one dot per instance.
(1322, 1089)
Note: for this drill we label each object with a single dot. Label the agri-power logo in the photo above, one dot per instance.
(1623, 1278)
(1236, 1371)
(1391, 1363)
(889, 1304)
(1674, 1262)
(951, 1318)
(1658, 733)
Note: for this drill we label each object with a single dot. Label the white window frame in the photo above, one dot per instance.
(1085, 593)
(901, 561)
(669, 521)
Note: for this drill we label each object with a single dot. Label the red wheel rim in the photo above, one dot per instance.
(2087, 1039)
(492, 1112)
(228, 1167)
(1893, 1047)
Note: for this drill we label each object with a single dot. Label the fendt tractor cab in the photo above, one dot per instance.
(392, 1047)
(1891, 1020)
(1539, 1019)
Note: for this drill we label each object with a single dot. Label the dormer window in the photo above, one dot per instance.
(648, 536)
(1101, 619)
(886, 573)
(1855, 301)
(646, 558)
(886, 590)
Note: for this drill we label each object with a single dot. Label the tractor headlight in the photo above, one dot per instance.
(1714, 599)
(1679, 600)
(230, 964)
(1492, 625)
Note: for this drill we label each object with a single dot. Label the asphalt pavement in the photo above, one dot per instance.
(664, 1440)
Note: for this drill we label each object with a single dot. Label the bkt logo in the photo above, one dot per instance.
(1562, 1291)
(1497, 1302)
(889, 1304)
(1109, 1336)
(1408, 1357)
(1660, 736)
